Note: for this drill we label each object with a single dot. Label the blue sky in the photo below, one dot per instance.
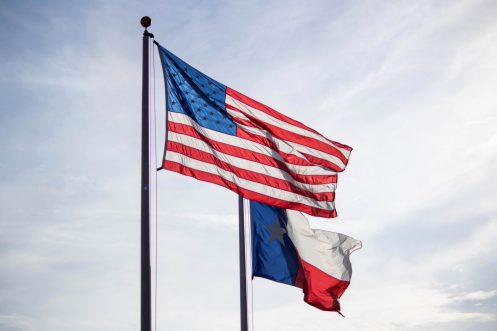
(410, 85)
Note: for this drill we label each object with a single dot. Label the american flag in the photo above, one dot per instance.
(219, 135)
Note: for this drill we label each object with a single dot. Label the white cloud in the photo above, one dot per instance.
(384, 307)
(479, 246)
(16, 322)
(478, 295)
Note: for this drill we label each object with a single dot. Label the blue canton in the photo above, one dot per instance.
(192, 93)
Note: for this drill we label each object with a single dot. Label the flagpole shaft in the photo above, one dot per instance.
(145, 293)
(243, 271)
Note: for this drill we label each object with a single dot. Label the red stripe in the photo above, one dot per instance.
(322, 162)
(250, 155)
(293, 137)
(268, 110)
(247, 194)
(289, 158)
(320, 289)
(240, 133)
(247, 174)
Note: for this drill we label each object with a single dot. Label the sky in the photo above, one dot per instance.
(410, 85)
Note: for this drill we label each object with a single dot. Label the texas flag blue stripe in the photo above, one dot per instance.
(274, 256)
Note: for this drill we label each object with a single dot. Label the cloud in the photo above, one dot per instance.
(409, 85)
(16, 323)
(206, 220)
(478, 295)
(384, 307)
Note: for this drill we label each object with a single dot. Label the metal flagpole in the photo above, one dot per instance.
(243, 272)
(145, 294)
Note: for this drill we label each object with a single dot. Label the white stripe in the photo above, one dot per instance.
(286, 146)
(265, 117)
(251, 146)
(257, 167)
(282, 145)
(237, 114)
(326, 250)
(247, 184)
(290, 147)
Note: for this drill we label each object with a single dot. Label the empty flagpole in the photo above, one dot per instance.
(243, 271)
(145, 293)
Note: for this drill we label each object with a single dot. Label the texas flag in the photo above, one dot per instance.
(285, 249)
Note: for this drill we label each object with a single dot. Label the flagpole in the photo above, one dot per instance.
(145, 293)
(243, 271)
